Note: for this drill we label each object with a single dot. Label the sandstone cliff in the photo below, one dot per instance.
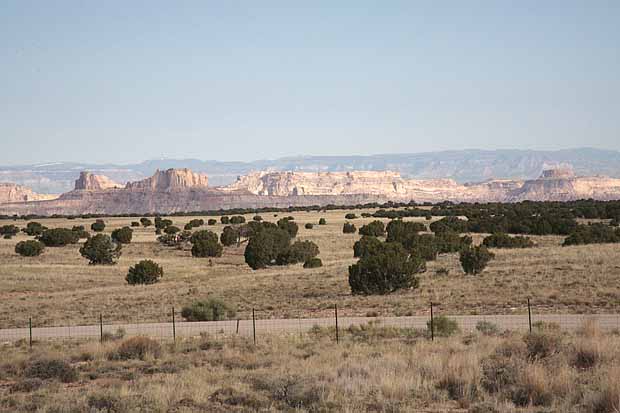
(170, 180)
(17, 193)
(181, 190)
(89, 182)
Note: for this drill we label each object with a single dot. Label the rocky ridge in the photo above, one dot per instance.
(181, 190)
(17, 193)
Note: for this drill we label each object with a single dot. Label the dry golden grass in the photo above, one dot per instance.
(372, 369)
(60, 288)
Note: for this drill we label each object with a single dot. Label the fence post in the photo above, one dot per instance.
(336, 314)
(174, 327)
(237, 326)
(30, 330)
(529, 314)
(432, 324)
(254, 326)
(101, 327)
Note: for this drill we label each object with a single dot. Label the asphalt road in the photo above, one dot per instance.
(291, 326)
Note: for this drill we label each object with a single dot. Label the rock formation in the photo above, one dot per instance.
(89, 182)
(181, 190)
(17, 193)
(170, 180)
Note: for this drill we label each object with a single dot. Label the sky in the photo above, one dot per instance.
(124, 81)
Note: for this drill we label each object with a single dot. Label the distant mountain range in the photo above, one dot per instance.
(462, 166)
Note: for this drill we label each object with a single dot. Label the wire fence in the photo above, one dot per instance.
(255, 327)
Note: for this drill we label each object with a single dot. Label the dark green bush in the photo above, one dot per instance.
(366, 245)
(144, 272)
(593, 234)
(122, 235)
(98, 225)
(348, 228)
(230, 236)
(204, 235)
(453, 224)
(374, 229)
(501, 240)
(313, 263)
(207, 248)
(265, 246)
(80, 231)
(59, 237)
(450, 241)
(300, 251)
(403, 232)
(146, 222)
(289, 226)
(424, 246)
(34, 229)
(475, 259)
(135, 224)
(161, 223)
(308, 225)
(211, 309)
(211, 221)
(386, 270)
(322, 221)
(237, 219)
(350, 215)
(225, 220)
(171, 229)
(29, 248)
(9, 231)
(100, 249)
(257, 218)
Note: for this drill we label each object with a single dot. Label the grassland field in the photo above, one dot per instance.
(60, 288)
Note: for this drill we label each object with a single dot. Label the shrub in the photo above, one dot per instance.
(100, 249)
(322, 221)
(475, 259)
(211, 221)
(171, 229)
(237, 219)
(350, 215)
(98, 225)
(144, 272)
(289, 226)
(348, 228)
(593, 234)
(81, 231)
(135, 224)
(9, 231)
(487, 328)
(375, 229)
(403, 231)
(34, 229)
(207, 248)
(146, 222)
(136, 348)
(453, 224)
(29, 248)
(265, 246)
(162, 223)
(366, 245)
(230, 236)
(386, 270)
(195, 223)
(204, 235)
(257, 218)
(300, 251)
(225, 220)
(59, 237)
(46, 369)
(443, 326)
(313, 263)
(450, 241)
(424, 246)
(502, 240)
(542, 344)
(211, 309)
(308, 225)
(122, 235)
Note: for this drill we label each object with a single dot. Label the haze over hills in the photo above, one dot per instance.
(462, 166)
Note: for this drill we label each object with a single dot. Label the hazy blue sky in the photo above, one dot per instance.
(120, 81)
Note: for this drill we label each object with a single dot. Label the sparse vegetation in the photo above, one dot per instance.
(314, 262)
(501, 240)
(212, 309)
(475, 259)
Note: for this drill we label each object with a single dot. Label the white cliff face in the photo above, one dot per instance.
(170, 180)
(89, 182)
